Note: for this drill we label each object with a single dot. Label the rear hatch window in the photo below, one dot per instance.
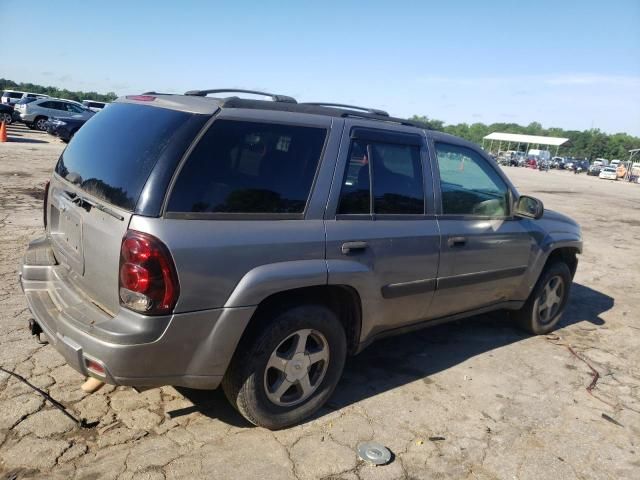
(112, 155)
(26, 100)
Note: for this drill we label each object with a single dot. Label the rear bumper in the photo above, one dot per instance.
(186, 349)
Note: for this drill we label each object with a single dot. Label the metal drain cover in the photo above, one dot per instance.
(375, 453)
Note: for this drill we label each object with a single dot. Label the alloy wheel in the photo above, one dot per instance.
(550, 300)
(296, 368)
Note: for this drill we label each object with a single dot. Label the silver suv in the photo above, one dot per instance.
(256, 243)
(35, 114)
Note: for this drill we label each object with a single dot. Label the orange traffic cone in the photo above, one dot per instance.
(3, 133)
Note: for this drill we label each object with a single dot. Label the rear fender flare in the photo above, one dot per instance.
(266, 280)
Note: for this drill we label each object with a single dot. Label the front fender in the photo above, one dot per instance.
(550, 243)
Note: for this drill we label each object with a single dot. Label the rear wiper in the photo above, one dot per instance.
(81, 201)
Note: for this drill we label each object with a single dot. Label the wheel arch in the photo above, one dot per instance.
(343, 300)
(566, 254)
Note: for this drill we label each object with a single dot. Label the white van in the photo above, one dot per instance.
(602, 162)
(544, 155)
(11, 97)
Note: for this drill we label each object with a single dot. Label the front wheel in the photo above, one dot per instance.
(543, 309)
(290, 369)
(6, 118)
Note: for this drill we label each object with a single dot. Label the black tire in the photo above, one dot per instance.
(245, 385)
(530, 316)
(39, 124)
(7, 118)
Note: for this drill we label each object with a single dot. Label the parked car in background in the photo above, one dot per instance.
(11, 97)
(557, 162)
(94, 105)
(312, 234)
(634, 175)
(539, 154)
(35, 114)
(580, 166)
(65, 128)
(6, 113)
(603, 162)
(608, 173)
(594, 169)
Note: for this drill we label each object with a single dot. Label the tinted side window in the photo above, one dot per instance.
(469, 185)
(46, 104)
(355, 197)
(249, 167)
(70, 107)
(397, 179)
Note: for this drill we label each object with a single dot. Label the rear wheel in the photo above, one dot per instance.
(290, 369)
(6, 118)
(41, 124)
(545, 306)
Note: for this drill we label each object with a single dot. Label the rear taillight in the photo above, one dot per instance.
(44, 204)
(148, 281)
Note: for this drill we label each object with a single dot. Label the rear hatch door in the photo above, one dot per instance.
(96, 187)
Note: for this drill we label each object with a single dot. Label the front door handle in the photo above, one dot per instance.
(349, 247)
(457, 241)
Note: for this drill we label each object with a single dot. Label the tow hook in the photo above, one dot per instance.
(36, 331)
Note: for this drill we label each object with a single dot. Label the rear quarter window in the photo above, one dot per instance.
(112, 155)
(249, 167)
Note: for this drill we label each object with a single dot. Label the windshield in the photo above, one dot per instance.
(112, 155)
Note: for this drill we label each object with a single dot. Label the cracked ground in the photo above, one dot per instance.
(476, 399)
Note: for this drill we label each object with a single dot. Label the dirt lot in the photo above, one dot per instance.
(475, 399)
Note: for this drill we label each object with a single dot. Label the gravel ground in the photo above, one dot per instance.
(475, 399)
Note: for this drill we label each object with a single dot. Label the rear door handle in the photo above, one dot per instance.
(457, 241)
(349, 247)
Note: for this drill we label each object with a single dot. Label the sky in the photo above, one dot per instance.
(569, 64)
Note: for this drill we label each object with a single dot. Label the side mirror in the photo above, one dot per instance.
(529, 207)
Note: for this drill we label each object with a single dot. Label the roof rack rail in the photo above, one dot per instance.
(401, 121)
(274, 97)
(373, 111)
(156, 93)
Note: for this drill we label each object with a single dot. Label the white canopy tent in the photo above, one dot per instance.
(518, 139)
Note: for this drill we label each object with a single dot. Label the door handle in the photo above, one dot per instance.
(349, 247)
(457, 241)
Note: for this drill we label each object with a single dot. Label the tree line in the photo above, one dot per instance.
(590, 144)
(56, 92)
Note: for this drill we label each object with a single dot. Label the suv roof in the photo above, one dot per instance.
(24, 92)
(198, 101)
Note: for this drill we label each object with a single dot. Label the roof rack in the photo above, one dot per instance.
(373, 111)
(401, 121)
(274, 97)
